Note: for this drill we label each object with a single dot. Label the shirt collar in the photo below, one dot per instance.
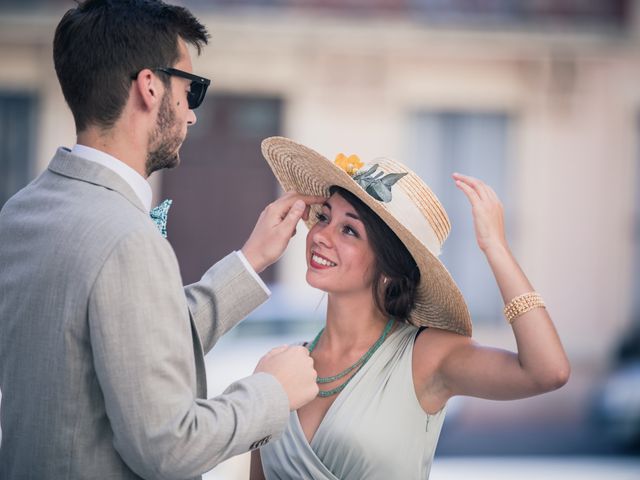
(136, 181)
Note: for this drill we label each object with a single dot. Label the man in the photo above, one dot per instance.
(101, 347)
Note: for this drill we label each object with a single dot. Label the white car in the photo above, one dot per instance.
(616, 403)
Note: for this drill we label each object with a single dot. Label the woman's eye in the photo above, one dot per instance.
(321, 217)
(349, 231)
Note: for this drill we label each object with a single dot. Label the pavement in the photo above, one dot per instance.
(493, 468)
(535, 468)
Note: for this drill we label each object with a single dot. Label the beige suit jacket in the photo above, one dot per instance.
(101, 347)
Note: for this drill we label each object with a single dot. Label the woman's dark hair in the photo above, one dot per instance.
(100, 44)
(396, 297)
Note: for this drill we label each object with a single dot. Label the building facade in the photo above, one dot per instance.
(539, 99)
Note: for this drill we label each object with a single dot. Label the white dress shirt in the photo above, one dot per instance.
(142, 189)
(137, 182)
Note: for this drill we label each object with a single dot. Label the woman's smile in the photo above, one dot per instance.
(320, 262)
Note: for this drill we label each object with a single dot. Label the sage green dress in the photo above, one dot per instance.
(375, 429)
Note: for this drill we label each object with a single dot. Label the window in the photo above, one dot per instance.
(17, 121)
(635, 292)
(475, 144)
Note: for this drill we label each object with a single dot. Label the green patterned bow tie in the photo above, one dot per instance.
(159, 216)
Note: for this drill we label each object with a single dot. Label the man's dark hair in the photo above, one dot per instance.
(100, 44)
(397, 297)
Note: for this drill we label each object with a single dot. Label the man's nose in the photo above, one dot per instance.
(191, 118)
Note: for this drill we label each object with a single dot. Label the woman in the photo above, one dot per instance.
(384, 378)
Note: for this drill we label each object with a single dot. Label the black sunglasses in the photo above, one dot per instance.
(198, 87)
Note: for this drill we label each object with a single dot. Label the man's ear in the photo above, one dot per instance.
(148, 89)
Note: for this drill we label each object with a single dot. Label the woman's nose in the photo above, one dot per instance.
(323, 236)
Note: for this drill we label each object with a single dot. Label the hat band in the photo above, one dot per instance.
(409, 215)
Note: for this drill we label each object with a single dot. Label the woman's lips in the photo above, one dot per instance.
(320, 262)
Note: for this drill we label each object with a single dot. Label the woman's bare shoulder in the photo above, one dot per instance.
(433, 345)
(434, 341)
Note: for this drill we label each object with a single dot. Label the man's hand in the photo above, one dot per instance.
(293, 368)
(275, 227)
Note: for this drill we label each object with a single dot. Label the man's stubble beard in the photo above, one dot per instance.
(165, 140)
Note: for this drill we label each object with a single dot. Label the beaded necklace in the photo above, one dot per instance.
(359, 363)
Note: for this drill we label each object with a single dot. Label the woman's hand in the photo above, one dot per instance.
(487, 211)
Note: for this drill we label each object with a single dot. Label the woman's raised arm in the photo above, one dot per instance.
(540, 364)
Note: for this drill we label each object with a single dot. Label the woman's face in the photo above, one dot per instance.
(339, 257)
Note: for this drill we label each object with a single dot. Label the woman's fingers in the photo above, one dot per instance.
(486, 209)
(492, 194)
(476, 184)
(467, 189)
(482, 190)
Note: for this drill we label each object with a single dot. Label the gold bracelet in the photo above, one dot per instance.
(521, 305)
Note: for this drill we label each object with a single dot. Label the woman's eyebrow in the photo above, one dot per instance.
(348, 214)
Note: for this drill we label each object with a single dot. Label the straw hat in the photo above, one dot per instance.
(407, 206)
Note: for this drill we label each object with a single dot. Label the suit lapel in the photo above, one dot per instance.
(72, 166)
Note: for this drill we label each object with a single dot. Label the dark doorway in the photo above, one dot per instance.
(223, 182)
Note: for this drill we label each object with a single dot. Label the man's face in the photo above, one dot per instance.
(172, 121)
(166, 138)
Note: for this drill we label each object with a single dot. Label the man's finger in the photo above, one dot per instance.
(283, 205)
(305, 215)
(289, 198)
(276, 350)
(294, 214)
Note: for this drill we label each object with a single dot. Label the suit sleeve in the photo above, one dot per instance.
(226, 294)
(143, 355)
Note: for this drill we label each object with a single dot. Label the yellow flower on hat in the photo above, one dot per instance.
(350, 164)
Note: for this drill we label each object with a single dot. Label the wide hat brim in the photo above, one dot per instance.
(439, 302)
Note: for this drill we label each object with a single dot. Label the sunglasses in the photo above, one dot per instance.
(198, 87)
